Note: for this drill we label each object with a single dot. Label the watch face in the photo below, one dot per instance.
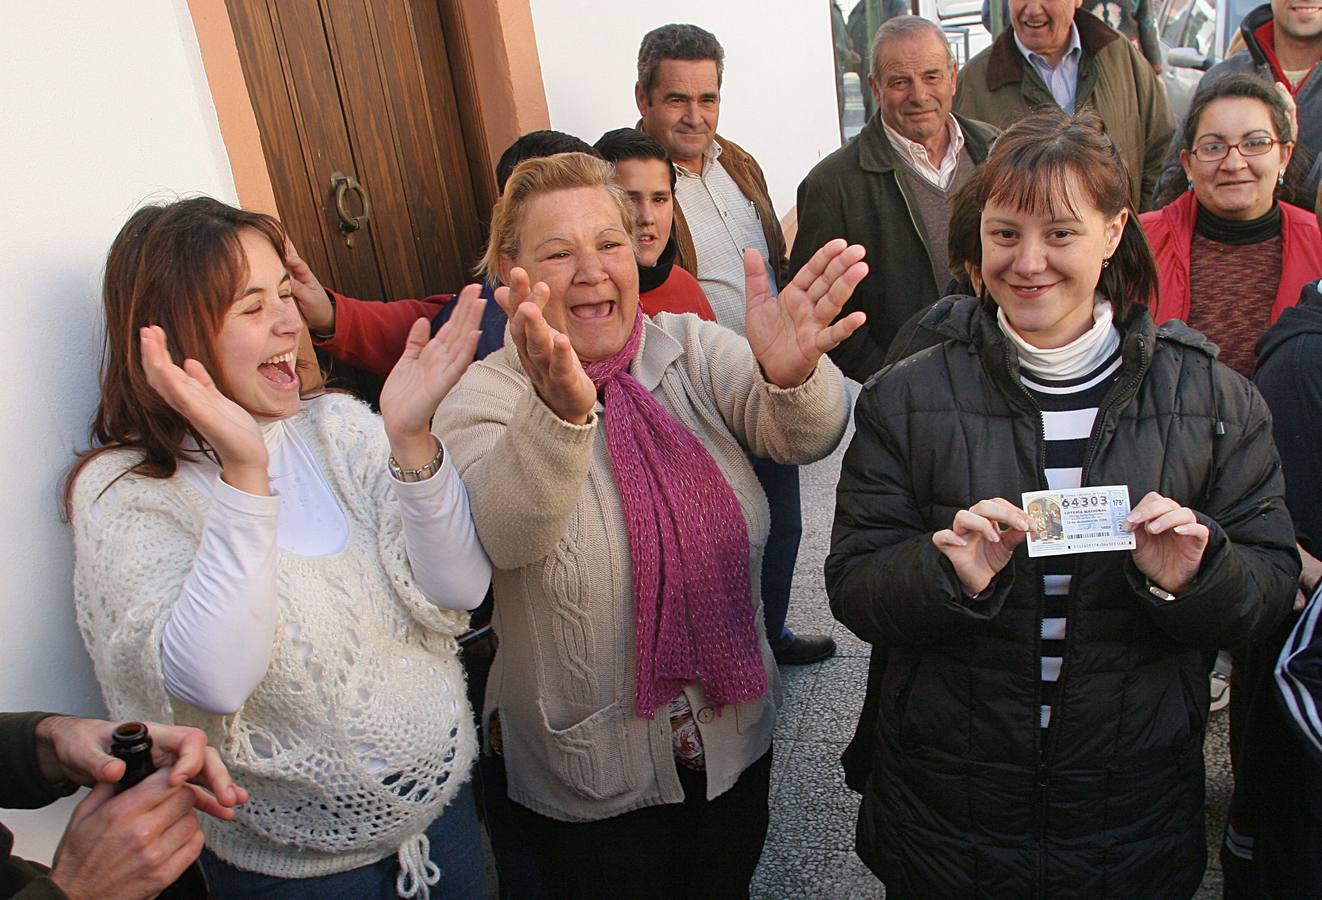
(1161, 592)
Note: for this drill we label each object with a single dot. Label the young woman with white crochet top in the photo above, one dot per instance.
(281, 572)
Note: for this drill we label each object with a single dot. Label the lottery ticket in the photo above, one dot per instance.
(1078, 520)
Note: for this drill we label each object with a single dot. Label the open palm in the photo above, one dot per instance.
(428, 369)
(788, 333)
(227, 427)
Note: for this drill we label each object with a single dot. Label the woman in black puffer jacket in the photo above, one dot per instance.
(1039, 722)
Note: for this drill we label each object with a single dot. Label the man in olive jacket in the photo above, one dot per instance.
(890, 187)
(1088, 64)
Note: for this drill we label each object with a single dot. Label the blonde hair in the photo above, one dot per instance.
(534, 177)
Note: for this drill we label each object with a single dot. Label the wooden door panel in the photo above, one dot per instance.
(271, 91)
(327, 148)
(367, 88)
(368, 115)
(291, 81)
(469, 207)
(435, 179)
(463, 77)
(405, 131)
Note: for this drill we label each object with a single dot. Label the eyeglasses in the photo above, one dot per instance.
(1217, 150)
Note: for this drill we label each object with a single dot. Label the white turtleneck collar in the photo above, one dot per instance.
(1079, 357)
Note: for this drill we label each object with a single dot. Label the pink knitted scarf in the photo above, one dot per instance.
(689, 544)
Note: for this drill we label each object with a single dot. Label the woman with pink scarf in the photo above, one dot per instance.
(634, 695)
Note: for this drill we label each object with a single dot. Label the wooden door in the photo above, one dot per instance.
(381, 91)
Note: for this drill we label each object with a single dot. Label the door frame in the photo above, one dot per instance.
(503, 86)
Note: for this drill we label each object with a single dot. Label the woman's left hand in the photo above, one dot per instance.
(1170, 541)
(788, 333)
(425, 373)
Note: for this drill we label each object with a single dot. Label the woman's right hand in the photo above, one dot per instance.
(227, 427)
(976, 544)
(547, 356)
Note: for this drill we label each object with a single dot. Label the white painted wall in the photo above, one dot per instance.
(104, 105)
(777, 100)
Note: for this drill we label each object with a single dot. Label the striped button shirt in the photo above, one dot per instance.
(724, 223)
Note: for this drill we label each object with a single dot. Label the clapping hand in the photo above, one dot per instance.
(788, 333)
(981, 540)
(1169, 541)
(425, 373)
(227, 427)
(547, 356)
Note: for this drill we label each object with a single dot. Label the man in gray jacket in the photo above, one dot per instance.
(889, 188)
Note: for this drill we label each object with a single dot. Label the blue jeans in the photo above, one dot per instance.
(456, 849)
(781, 485)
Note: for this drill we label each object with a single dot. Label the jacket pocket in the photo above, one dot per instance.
(592, 757)
(898, 696)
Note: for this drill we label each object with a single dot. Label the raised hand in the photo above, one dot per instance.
(228, 428)
(313, 301)
(546, 354)
(977, 546)
(1169, 541)
(788, 333)
(425, 373)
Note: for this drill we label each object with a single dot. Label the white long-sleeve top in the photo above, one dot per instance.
(359, 731)
(216, 644)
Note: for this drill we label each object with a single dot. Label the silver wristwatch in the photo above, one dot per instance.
(421, 474)
(1159, 592)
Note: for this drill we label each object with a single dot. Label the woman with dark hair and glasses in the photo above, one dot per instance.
(1230, 256)
(1038, 721)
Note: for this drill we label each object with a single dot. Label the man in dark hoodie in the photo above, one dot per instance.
(1283, 44)
(1273, 840)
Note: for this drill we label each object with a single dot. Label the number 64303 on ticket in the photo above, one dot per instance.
(1078, 520)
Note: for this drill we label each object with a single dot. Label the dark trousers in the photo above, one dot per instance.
(516, 871)
(456, 849)
(697, 848)
(781, 485)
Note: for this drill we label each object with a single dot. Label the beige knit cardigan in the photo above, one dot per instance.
(548, 513)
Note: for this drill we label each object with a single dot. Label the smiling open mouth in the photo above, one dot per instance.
(280, 369)
(593, 311)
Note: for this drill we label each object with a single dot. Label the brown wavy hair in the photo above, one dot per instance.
(180, 266)
(1032, 166)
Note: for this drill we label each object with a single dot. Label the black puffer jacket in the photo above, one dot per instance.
(961, 801)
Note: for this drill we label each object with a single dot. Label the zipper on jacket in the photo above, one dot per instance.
(1113, 397)
(1043, 770)
(1046, 754)
(1111, 401)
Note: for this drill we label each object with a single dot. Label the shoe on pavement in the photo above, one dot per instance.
(803, 649)
(1220, 691)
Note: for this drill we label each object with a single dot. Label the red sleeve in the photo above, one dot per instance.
(679, 293)
(370, 334)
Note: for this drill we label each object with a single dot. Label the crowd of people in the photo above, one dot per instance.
(544, 591)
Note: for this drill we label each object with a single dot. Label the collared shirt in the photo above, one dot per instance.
(915, 154)
(723, 223)
(1063, 79)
